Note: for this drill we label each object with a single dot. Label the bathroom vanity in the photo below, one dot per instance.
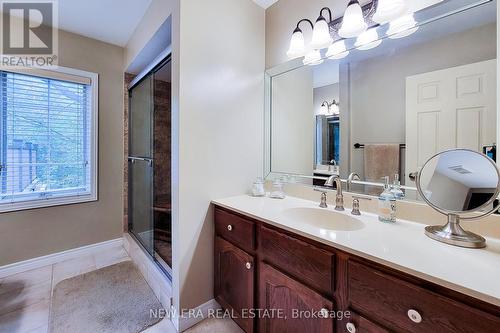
(391, 278)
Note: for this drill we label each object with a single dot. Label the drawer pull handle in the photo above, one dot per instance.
(350, 328)
(248, 265)
(414, 316)
(324, 313)
(229, 227)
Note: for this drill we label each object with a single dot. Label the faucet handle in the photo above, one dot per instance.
(339, 202)
(355, 207)
(323, 203)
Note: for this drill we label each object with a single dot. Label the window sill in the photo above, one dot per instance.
(46, 203)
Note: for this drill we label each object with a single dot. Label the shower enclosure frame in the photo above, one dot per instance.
(148, 73)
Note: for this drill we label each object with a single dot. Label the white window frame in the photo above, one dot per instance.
(92, 195)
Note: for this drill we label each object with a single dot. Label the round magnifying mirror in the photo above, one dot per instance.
(457, 183)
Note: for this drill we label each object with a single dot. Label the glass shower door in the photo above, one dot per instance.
(140, 163)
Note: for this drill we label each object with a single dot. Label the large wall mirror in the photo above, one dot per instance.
(387, 107)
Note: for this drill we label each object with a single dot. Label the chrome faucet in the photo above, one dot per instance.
(352, 176)
(339, 199)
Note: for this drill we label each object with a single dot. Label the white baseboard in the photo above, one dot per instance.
(26, 265)
(188, 322)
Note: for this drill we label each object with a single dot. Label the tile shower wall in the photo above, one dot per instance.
(162, 143)
(126, 80)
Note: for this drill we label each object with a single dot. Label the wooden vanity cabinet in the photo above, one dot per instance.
(234, 281)
(267, 268)
(295, 302)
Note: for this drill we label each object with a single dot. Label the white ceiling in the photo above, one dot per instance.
(265, 3)
(111, 21)
(482, 173)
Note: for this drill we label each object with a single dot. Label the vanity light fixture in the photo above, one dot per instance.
(337, 50)
(321, 32)
(353, 23)
(325, 108)
(402, 27)
(313, 58)
(330, 108)
(358, 22)
(389, 10)
(368, 40)
(297, 44)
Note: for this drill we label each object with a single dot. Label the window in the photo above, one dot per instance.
(47, 138)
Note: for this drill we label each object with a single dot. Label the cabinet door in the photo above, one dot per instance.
(234, 281)
(289, 306)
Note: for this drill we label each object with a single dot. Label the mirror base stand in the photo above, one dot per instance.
(452, 233)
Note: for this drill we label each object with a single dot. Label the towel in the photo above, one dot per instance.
(380, 160)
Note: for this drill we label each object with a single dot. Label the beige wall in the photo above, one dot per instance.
(220, 134)
(38, 232)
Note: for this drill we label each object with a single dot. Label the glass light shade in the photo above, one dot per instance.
(353, 23)
(402, 27)
(334, 109)
(321, 35)
(368, 40)
(324, 108)
(297, 45)
(313, 58)
(389, 10)
(337, 50)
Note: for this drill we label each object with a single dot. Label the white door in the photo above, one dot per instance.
(449, 108)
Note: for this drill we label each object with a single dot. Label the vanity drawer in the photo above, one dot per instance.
(394, 301)
(235, 229)
(308, 263)
(359, 324)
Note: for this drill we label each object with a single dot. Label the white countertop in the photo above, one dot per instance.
(403, 246)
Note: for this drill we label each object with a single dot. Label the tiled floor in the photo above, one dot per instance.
(215, 325)
(211, 325)
(25, 297)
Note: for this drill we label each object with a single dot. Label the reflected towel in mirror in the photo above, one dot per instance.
(380, 160)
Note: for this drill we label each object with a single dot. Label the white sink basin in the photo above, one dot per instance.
(323, 218)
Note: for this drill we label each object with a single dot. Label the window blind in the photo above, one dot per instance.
(44, 137)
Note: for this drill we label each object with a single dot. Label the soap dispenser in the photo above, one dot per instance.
(278, 190)
(387, 204)
(396, 188)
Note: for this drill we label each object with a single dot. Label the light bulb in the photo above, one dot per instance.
(368, 40)
(337, 50)
(321, 34)
(313, 58)
(402, 27)
(389, 10)
(353, 23)
(297, 45)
